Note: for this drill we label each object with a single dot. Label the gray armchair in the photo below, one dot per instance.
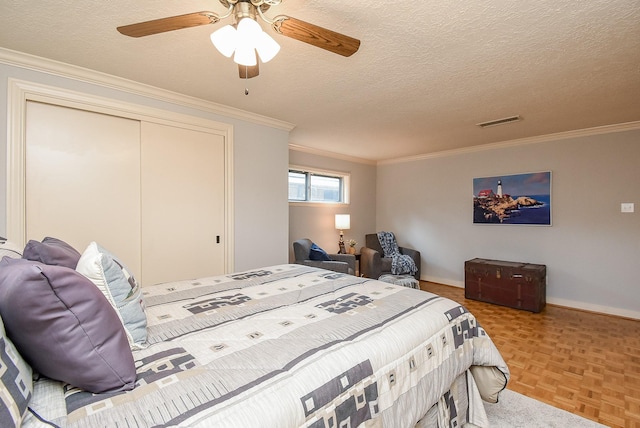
(372, 262)
(343, 263)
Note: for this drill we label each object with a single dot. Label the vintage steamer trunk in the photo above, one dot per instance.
(513, 284)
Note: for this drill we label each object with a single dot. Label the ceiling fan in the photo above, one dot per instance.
(228, 39)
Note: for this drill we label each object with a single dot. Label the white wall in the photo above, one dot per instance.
(260, 151)
(592, 250)
(261, 198)
(317, 221)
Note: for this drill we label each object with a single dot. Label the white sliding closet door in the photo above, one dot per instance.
(82, 179)
(153, 194)
(183, 173)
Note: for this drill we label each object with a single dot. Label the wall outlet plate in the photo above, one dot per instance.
(626, 207)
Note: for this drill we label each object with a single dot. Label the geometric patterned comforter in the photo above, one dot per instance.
(290, 346)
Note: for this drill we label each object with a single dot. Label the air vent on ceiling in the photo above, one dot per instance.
(499, 121)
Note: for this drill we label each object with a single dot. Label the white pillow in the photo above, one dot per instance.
(120, 288)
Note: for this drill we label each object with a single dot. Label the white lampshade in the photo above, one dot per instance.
(267, 47)
(246, 36)
(248, 30)
(245, 55)
(224, 39)
(343, 221)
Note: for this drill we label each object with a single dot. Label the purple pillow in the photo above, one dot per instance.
(51, 251)
(64, 327)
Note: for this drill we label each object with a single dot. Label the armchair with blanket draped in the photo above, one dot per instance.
(377, 259)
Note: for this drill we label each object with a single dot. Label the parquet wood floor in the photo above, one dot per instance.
(582, 362)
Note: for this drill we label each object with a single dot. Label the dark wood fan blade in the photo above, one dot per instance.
(247, 72)
(162, 25)
(316, 36)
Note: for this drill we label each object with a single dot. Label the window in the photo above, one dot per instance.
(307, 185)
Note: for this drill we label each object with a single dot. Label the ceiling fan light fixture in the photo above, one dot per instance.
(224, 39)
(244, 41)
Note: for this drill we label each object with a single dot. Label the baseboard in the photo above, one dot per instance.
(565, 303)
(443, 281)
(590, 307)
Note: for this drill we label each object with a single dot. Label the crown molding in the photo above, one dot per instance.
(328, 154)
(60, 69)
(606, 129)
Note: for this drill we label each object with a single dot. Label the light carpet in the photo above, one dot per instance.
(516, 410)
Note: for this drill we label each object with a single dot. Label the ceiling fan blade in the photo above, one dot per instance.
(316, 36)
(171, 23)
(248, 71)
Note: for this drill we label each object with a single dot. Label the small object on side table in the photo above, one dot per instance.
(352, 246)
(513, 284)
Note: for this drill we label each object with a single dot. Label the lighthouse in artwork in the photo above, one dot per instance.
(499, 192)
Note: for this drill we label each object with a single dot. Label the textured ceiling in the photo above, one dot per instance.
(425, 74)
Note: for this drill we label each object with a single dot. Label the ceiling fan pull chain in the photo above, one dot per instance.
(246, 78)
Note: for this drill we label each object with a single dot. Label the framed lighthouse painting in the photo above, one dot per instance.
(523, 199)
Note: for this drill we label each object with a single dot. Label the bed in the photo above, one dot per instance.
(290, 346)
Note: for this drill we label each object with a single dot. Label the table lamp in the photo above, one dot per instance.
(343, 221)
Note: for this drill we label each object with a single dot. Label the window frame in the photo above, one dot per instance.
(344, 178)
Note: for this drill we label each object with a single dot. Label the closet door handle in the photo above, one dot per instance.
(217, 239)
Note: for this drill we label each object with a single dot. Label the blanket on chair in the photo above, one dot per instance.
(400, 263)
